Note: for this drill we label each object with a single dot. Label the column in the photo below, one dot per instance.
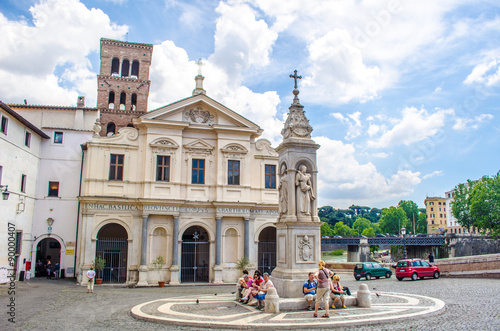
(175, 244)
(144, 242)
(143, 269)
(218, 240)
(246, 249)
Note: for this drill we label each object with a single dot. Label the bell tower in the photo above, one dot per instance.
(123, 83)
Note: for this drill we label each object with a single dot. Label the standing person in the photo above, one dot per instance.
(56, 271)
(337, 291)
(323, 290)
(431, 258)
(261, 295)
(309, 290)
(91, 277)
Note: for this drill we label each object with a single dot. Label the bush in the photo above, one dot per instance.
(335, 253)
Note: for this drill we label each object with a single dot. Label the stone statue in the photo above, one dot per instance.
(305, 248)
(96, 128)
(305, 192)
(283, 191)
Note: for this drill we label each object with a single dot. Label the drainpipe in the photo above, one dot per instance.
(84, 147)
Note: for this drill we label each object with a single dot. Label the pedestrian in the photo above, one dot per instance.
(49, 269)
(309, 290)
(323, 291)
(91, 277)
(56, 271)
(431, 258)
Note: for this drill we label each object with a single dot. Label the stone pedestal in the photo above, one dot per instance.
(143, 276)
(272, 301)
(364, 296)
(218, 275)
(174, 275)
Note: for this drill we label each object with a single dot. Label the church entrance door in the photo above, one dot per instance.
(112, 246)
(266, 256)
(195, 255)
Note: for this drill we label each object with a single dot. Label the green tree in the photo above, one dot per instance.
(376, 228)
(369, 232)
(340, 229)
(411, 211)
(361, 224)
(484, 204)
(392, 220)
(326, 230)
(460, 206)
(422, 223)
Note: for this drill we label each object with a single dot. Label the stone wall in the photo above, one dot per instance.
(476, 245)
(470, 266)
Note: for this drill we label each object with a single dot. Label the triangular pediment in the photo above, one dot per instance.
(201, 110)
(199, 146)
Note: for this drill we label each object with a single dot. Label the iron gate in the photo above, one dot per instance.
(267, 256)
(194, 261)
(114, 251)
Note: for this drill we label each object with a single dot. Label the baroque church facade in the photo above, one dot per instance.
(191, 182)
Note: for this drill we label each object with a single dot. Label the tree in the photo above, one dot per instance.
(376, 228)
(422, 223)
(392, 220)
(369, 232)
(340, 229)
(460, 205)
(411, 211)
(326, 230)
(484, 202)
(361, 224)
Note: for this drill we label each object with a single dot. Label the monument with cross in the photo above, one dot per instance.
(199, 79)
(298, 234)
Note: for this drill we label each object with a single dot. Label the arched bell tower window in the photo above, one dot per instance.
(135, 69)
(110, 129)
(111, 100)
(115, 66)
(125, 68)
(122, 100)
(134, 102)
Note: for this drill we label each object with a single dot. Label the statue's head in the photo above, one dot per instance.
(303, 168)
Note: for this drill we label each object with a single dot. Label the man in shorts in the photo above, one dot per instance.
(309, 290)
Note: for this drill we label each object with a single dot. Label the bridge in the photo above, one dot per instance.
(358, 248)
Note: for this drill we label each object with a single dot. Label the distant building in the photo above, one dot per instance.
(452, 223)
(435, 209)
(20, 150)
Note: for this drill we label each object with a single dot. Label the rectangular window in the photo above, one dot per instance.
(53, 189)
(27, 139)
(431, 203)
(116, 167)
(270, 171)
(19, 237)
(58, 137)
(198, 174)
(233, 172)
(4, 124)
(432, 209)
(23, 183)
(163, 168)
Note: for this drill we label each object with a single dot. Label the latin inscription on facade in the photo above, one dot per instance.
(110, 207)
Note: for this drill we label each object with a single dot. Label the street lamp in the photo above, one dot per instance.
(5, 192)
(403, 232)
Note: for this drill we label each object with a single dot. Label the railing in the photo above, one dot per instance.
(409, 241)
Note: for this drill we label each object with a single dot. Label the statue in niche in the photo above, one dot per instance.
(305, 248)
(283, 191)
(305, 192)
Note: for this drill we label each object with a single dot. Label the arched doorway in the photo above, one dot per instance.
(112, 246)
(266, 255)
(48, 249)
(195, 255)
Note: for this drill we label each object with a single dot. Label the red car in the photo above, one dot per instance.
(416, 268)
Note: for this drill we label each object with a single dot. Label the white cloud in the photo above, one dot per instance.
(415, 125)
(31, 54)
(486, 73)
(241, 41)
(353, 121)
(433, 174)
(343, 180)
(380, 155)
(471, 123)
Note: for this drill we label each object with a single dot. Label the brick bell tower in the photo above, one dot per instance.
(123, 83)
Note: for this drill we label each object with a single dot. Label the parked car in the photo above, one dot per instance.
(416, 268)
(371, 269)
(380, 235)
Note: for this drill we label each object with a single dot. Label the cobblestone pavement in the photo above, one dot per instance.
(471, 304)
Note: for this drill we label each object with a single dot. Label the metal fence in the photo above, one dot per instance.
(114, 252)
(195, 261)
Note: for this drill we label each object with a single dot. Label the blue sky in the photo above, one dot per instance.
(403, 96)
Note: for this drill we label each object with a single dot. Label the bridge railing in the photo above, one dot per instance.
(409, 241)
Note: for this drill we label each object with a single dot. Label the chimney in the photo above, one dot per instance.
(81, 102)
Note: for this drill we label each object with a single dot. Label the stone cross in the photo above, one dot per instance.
(295, 77)
(200, 64)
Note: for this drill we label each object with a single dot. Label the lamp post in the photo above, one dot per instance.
(403, 232)
(5, 192)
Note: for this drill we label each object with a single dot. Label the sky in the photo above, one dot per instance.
(403, 96)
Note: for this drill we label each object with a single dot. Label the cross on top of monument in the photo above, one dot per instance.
(200, 64)
(295, 77)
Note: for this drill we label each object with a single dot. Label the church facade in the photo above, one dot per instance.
(191, 182)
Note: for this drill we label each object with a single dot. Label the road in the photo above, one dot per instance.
(471, 304)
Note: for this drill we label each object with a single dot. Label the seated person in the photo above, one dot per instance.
(246, 284)
(337, 291)
(253, 289)
(309, 290)
(261, 295)
(241, 283)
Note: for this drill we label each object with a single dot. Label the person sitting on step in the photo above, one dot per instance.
(337, 291)
(310, 286)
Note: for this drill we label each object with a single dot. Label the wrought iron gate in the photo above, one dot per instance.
(267, 256)
(114, 251)
(195, 260)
